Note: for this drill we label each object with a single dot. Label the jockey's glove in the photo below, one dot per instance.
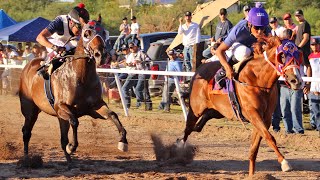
(58, 49)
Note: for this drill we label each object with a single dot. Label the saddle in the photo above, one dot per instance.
(219, 84)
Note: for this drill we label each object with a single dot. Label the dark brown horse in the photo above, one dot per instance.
(76, 89)
(256, 91)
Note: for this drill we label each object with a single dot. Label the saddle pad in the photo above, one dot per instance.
(213, 88)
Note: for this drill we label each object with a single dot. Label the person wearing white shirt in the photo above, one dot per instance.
(28, 54)
(191, 36)
(134, 32)
(276, 29)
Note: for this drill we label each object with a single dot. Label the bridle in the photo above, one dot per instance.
(89, 32)
(292, 55)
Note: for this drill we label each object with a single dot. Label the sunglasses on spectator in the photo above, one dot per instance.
(130, 47)
(259, 28)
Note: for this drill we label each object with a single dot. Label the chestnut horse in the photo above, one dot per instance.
(256, 91)
(76, 90)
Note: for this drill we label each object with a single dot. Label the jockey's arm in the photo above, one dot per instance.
(42, 38)
(220, 52)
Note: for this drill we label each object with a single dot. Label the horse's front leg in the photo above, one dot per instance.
(64, 114)
(262, 129)
(103, 112)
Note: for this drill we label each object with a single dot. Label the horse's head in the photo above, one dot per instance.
(286, 59)
(93, 35)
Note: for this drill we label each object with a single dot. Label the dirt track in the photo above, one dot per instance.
(222, 149)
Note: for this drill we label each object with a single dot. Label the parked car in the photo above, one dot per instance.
(159, 57)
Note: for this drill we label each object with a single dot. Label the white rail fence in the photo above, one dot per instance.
(164, 73)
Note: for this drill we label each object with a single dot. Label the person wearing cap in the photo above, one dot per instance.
(246, 10)
(289, 24)
(314, 95)
(56, 36)
(190, 37)
(124, 31)
(303, 38)
(175, 65)
(222, 29)
(245, 33)
(291, 100)
(303, 42)
(276, 29)
(137, 60)
(134, 31)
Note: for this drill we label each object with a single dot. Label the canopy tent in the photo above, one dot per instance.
(26, 31)
(5, 20)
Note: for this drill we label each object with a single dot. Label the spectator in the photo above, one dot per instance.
(43, 52)
(222, 29)
(190, 37)
(214, 55)
(288, 23)
(276, 29)
(124, 31)
(138, 60)
(246, 10)
(28, 54)
(122, 63)
(314, 95)
(290, 100)
(20, 49)
(2, 54)
(277, 115)
(9, 57)
(36, 51)
(176, 66)
(134, 32)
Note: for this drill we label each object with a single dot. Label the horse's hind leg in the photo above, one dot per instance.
(105, 113)
(30, 112)
(207, 115)
(255, 143)
(190, 124)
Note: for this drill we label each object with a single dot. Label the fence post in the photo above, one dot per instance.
(124, 104)
(178, 89)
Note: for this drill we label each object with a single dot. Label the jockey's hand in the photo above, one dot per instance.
(229, 72)
(306, 89)
(58, 49)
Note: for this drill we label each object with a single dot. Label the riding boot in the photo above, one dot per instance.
(220, 78)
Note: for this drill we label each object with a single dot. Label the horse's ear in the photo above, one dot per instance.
(99, 19)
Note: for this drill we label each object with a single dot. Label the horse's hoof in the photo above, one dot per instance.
(68, 149)
(285, 166)
(180, 143)
(123, 146)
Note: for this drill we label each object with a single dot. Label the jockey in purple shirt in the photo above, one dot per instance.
(58, 35)
(242, 36)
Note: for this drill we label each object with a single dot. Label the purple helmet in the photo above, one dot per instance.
(258, 17)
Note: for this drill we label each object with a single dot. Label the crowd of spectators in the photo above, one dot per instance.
(16, 55)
